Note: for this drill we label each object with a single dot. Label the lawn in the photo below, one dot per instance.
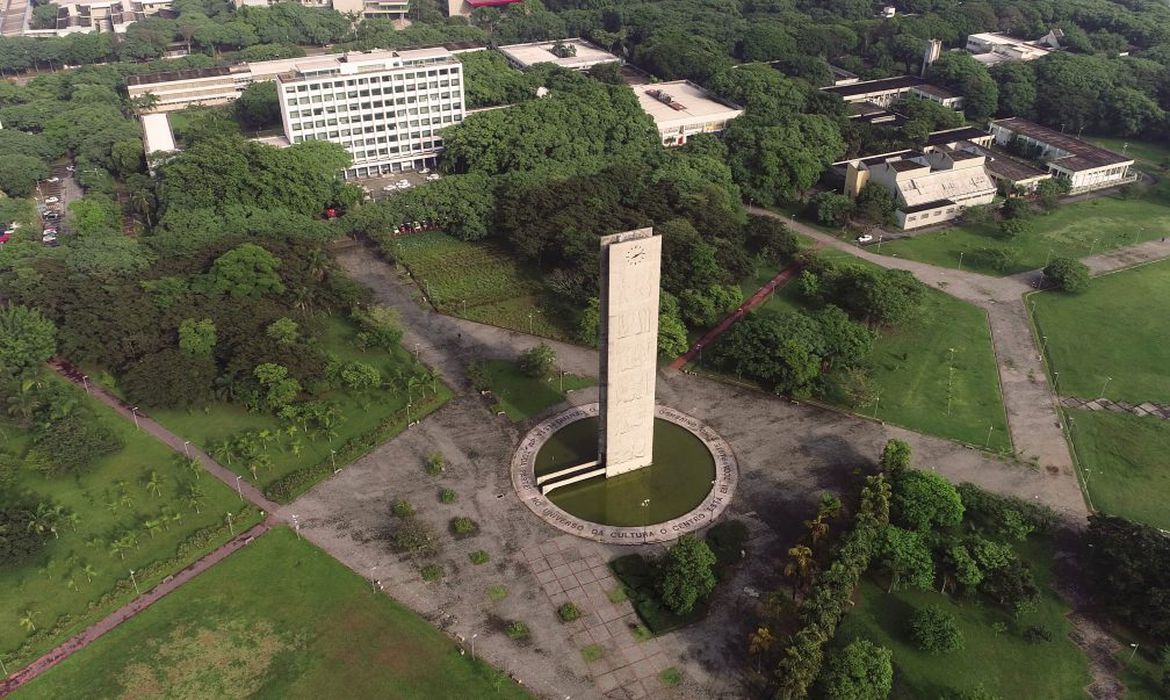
(1118, 328)
(1147, 155)
(521, 396)
(1072, 230)
(363, 414)
(278, 619)
(1004, 664)
(912, 369)
(1124, 464)
(477, 281)
(79, 578)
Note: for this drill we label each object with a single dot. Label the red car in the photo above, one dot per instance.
(5, 237)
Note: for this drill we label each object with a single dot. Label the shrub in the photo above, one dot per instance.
(1012, 586)
(670, 677)
(537, 362)
(935, 631)
(464, 526)
(479, 557)
(1068, 275)
(727, 541)
(415, 537)
(402, 508)
(448, 496)
(517, 630)
(569, 612)
(435, 464)
(860, 671)
(1035, 634)
(617, 595)
(497, 592)
(74, 443)
(431, 572)
(592, 653)
(688, 574)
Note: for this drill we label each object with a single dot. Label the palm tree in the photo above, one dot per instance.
(222, 452)
(119, 547)
(317, 264)
(194, 497)
(74, 520)
(23, 404)
(800, 565)
(760, 643)
(817, 528)
(154, 483)
(71, 583)
(829, 507)
(88, 571)
(28, 620)
(152, 526)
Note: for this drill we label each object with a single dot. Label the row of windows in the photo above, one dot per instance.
(379, 79)
(365, 107)
(336, 95)
(381, 124)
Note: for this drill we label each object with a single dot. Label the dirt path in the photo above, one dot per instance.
(234, 481)
(752, 302)
(129, 610)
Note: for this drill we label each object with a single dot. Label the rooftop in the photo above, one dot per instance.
(156, 134)
(963, 133)
(939, 92)
(1082, 155)
(901, 82)
(682, 102)
(584, 55)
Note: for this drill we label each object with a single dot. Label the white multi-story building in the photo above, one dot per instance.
(386, 107)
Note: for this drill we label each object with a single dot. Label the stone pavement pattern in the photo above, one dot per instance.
(1149, 408)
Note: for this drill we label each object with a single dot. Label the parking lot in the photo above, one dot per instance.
(53, 196)
(375, 186)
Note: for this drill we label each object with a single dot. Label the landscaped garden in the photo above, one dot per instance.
(279, 618)
(935, 373)
(477, 281)
(266, 448)
(1071, 230)
(130, 505)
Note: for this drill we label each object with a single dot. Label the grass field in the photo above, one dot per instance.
(362, 413)
(1073, 230)
(1004, 664)
(1118, 328)
(521, 396)
(279, 619)
(1124, 461)
(478, 282)
(1147, 155)
(912, 369)
(79, 578)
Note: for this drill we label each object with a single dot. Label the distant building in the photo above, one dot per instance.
(574, 54)
(157, 138)
(1084, 166)
(992, 49)
(841, 76)
(463, 8)
(886, 91)
(86, 16)
(681, 109)
(395, 10)
(386, 107)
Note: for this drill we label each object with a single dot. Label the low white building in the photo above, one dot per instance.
(886, 91)
(991, 48)
(1084, 166)
(574, 54)
(681, 109)
(930, 188)
(386, 107)
(157, 138)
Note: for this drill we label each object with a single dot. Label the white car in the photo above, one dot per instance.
(864, 238)
(52, 200)
(424, 171)
(433, 176)
(390, 188)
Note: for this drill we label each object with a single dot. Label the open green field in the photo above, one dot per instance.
(521, 396)
(912, 369)
(477, 282)
(1117, 328)
(1004, 664)
(1147, 155)
(82, 576)
(362, 413)
(279, 619)
(1124, 462)
(1073, 230)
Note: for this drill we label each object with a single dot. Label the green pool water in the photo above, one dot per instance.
(675, 484)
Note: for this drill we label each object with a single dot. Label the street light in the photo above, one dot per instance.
(1134, 652)
(134, 412)
(473, 646)
(187, 448)
(961, 253)
(1107, 380)
(373, 583)
(296, 525)
(135, 582)
(239, 489)
(85, 382)
(231, 529)
(987, 444)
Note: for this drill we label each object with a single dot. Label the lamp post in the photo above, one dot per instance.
(187, 448)
(1107, 380)
(645, 511)
(961, 253)
(987, 443)
(135, 582)
(134, 412)
(877, 401)
(296, 525)
(333, 453)
(85, 382)
(1134, 652)
(373, 582)
(473, 646)
(239, 489)
(231, 528)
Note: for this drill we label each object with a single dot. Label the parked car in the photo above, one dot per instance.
(52, 200)
(50, 231)
(49, 239)
(433, 176)
(864, 238)
(54, 179)
(51, 215)
(5, 237)
(392, 187)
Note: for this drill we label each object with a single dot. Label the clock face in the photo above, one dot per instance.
(635, 255)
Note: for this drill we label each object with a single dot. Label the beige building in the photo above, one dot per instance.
(681, 109)
(574, 54)
(930, 188)
(1084, 166)
(365, 9)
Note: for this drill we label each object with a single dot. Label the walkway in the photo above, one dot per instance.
(184, 447)
(1142, 410)
(732, 318)
(124, 613)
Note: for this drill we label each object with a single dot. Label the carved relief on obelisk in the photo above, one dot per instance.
(630, 270)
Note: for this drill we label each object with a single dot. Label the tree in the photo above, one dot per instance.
(246, 272)
(18, 542)
(1129, 567)
(935, 631)
(925, 502)
(1050, 191)
(258, 106)
(279, 389)
(283, 331)
(19, 174)
(379, 326)
(170, 378)
(776, 162)
(672, 333)
(831, 208)
(687, 574)
(538, 362)
(800, 566)
(960, 72)
(1068, 275)
(27, 339)
(1013, 228)
(906, 559)
(875, 203)
(895, 457)
(860, 671)
(197, 337)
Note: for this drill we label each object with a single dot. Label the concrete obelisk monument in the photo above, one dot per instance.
(631, 265)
